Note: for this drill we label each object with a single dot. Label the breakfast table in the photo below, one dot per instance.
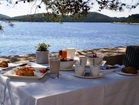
(112, 89)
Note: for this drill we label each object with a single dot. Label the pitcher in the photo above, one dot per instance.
(70, 52)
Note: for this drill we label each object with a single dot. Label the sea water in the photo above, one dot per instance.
(24, 36)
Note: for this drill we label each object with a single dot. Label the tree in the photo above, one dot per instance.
(57, 9)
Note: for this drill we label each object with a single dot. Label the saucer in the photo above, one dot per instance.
(68, 69)
(91, 77)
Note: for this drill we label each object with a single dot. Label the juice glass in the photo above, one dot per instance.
(64, 54)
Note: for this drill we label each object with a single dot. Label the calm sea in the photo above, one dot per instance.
(22, 38)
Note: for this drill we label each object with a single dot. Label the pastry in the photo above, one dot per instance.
(3, 64)
(129, 69)
(24, 71)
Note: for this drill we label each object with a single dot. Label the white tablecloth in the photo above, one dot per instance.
(113, 89)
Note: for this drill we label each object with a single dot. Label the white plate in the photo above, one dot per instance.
(34, 64)
(37, 75)
(127, 74)
(91, 77)
(68, 69)
(9, 66)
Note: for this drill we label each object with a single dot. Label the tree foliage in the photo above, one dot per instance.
(57, 9)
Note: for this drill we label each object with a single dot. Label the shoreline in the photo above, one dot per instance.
(126, 23)
(113, 55)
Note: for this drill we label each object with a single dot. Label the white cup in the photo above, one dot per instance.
(70, 52)
(83, 60)
(95, 70)
(79, 70)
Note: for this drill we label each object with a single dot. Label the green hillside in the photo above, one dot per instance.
(96, 17)
(91, 17)
(131, 19)
(4, 17)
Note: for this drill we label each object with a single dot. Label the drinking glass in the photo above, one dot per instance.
(62, 54)
(54, 67)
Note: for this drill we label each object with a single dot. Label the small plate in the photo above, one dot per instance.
(91, 77)
(9, 66)
(68, 69)
(127, 74)
(12, 65)
(37, 75)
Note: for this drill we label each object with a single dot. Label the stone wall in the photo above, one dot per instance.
(111, 55)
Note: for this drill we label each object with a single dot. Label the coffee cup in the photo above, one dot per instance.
(79, 70)
(83, 60)
(95, 70)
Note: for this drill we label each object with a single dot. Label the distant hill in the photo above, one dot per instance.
(97, 17)
(131, 19)
(3, 17)
(91, 17)
(33, 18)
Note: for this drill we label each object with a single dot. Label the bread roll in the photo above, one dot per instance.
(129, 69)
(3, 64)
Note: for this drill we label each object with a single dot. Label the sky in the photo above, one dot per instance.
(29, 8)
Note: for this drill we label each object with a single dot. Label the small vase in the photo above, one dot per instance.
(42, 57)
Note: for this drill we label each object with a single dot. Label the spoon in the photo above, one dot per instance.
(80, 61)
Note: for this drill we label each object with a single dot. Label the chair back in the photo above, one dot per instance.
(131, 57)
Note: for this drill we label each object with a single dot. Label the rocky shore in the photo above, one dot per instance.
(111, 55)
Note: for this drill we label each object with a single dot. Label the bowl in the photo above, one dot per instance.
(94, 60)
(67, 64)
